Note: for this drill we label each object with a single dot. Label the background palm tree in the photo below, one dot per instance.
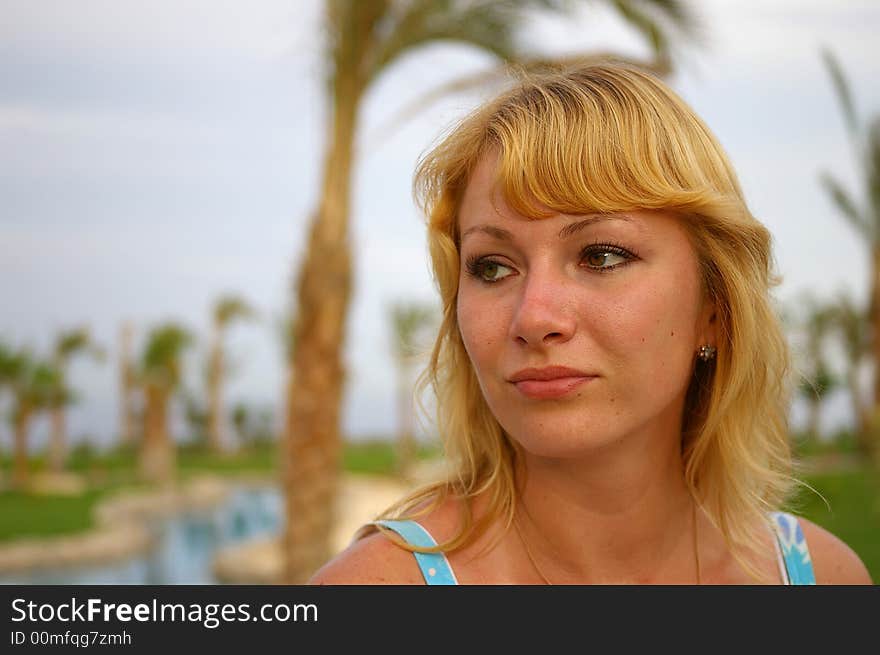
(364, 38)
(7, 375)
(409, 321)
(34, 387)
(67, 345)
(226, 310)
(817, 379)
(863, 213)
(128, 411)
(253, 424)
(196, 415)
(160, 375)
(240, 418)
(850, 323)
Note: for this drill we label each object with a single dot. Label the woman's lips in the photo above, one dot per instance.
(555, 388)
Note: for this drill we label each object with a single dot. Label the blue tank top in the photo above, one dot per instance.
(793, 556)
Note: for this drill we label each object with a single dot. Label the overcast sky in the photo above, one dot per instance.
(155, 154)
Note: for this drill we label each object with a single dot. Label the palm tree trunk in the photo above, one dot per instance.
(813, 421)
(126, 387)
(873, 431)
(20, 472)
(215, 395)
(58, 440)
(312, 442)
(860, 412)
(157, 454)
(405, 438)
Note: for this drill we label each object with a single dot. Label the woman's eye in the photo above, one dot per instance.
(605, 258)
(488, 270)
(493, 271)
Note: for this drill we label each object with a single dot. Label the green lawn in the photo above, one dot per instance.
(373, 456)
(24, 514)
(34, 515)
(854, 514)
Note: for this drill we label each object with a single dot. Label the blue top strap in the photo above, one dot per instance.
(796, 563)
(793, 547)
(435, 567)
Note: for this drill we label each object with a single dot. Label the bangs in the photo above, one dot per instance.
(579, 145)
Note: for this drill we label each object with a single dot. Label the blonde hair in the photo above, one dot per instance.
(612, 138)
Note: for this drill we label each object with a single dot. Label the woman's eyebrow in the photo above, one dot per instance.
(572, 228)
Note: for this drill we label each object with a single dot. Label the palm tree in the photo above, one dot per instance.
(364, 38)
(253, 424)
(128, 421)
(8, 370)
(196, 416)
(67, 345)
(160, 376)
(226, 310)
(862, 213)
(818, 380)
(35, 386)
(240, 420)
(850, 322)
(408, 321)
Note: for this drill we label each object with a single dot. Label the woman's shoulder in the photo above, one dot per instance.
(376, 559)
(371, 560)
(834, 562)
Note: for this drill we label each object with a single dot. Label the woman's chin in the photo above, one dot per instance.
(564, 444)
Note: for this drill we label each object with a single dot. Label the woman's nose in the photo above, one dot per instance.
(544, 312)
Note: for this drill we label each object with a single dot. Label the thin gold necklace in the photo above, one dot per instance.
(544, 577)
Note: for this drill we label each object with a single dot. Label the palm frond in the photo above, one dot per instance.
(657, 21)
(7, 365)
(493, 26)
(49, 388)
(848, 207)
(38, 385)
(408, 319)
(841, 89)
(850, 322)
(501, 74)
(230, 307)
(872, 175)
(71, 341)
(351, 31)
(161, 359)
(820, 383)
(678, 13)
(644, 24)
(16, 368)
(488, 26)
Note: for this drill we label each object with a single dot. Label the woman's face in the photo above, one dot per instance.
(615, 300)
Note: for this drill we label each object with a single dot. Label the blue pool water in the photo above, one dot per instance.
(185, 545)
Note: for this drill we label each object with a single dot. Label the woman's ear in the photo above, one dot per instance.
(707, 325)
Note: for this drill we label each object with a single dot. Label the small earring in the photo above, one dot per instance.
(706, 352)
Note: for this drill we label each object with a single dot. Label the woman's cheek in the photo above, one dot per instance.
(482, 331)
(468, 324)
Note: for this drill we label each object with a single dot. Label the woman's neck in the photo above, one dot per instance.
(610, 517)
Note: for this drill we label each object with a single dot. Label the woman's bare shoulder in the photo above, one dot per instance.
(834, 562)
(375, 559)
(371, 560)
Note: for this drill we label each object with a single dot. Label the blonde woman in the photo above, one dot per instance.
(611, 377)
